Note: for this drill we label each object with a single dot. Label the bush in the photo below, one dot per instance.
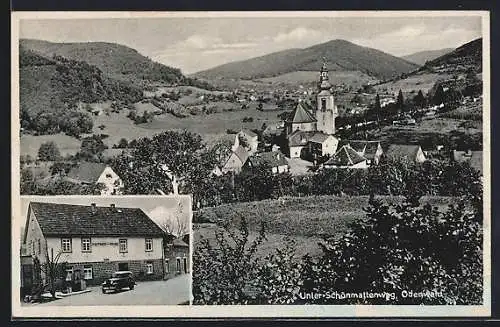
(48, 151)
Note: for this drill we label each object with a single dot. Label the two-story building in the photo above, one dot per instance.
(95, 240)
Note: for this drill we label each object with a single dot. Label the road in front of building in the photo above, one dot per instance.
(168, 292)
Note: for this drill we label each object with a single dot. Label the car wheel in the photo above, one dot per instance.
(103, 291)
(132, 286)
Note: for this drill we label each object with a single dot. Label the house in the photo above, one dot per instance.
(371, 150)
(275, 160)
(95, 240)
(346, 157)
(177, 258)
(248, 140)
(96, 173)
(412, 153)
(310, 145)
(474, 158)
(236, 160)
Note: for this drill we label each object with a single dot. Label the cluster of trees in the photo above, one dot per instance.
(395, 248)
(68, 121)
(436, 177)
(138, 119)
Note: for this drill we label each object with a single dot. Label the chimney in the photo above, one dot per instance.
(93, 208)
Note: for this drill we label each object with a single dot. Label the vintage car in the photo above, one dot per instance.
(118, 281)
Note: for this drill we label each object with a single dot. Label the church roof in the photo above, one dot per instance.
(346, 156)
(301, 114)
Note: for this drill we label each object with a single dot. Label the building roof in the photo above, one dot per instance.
(87, 172)
(298, 138)
(346, 156)
(271, 159)
(241, 153)
(56, 219)
(475, 158)
(319, 137)
(301, 114)
(249, 132)
(367, 148)
(398, 151)
(179, 242)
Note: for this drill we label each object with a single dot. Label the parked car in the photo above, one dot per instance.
(118, 281)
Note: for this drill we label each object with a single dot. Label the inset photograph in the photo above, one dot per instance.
(99, 250)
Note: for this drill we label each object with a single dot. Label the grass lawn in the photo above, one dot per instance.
(66, 144)
(304, 219)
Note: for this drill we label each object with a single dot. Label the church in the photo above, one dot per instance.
(310, 131)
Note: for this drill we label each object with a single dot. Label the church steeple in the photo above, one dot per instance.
(324, 83)
(326, 110)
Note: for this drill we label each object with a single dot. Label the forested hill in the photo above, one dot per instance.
(114, 60)
(466, 57)
(340, 54)
(50, 90)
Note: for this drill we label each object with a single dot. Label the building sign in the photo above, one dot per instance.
(104, 243)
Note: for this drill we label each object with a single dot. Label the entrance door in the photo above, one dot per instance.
(123, 266)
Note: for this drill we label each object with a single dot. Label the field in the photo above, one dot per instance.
(67, 145)
(354, 78)
(304, 220)
(118, 126)
(421, 81)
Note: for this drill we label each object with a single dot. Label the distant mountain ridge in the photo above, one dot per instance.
(339, 54)
(421, 57)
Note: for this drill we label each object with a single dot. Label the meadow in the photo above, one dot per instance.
(303, 219)
(116, 125)
(419, 81)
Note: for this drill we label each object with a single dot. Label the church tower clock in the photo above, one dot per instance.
(326, 110)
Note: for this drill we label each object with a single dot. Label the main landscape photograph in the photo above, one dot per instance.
(330, 158)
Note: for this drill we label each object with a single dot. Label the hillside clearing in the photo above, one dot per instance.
(67, 145)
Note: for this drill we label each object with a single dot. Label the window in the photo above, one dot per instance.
(178, 264)
(123, 245)
(149, 244)
(167, 266)
(149, 268)
(108, 176)
(323, 104)
(87, 272)
(32, 243)
(66, 244)
(39, 247)
(185, 265)
(69, 274)
(86, 245)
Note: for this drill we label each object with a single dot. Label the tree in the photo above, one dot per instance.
(400, 102)
(166, 159)
(439, 96)
(53, 269)
(92, 147)
(405, 247)
(122, 144)
(48, 151)
(419, 99)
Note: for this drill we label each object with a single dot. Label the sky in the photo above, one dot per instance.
(194, 44)
(156, 207)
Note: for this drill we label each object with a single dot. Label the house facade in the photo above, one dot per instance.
(93, 173)
(275, 160)
(96, 241)
(371, 150)
(177, 258)
(250, 139)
